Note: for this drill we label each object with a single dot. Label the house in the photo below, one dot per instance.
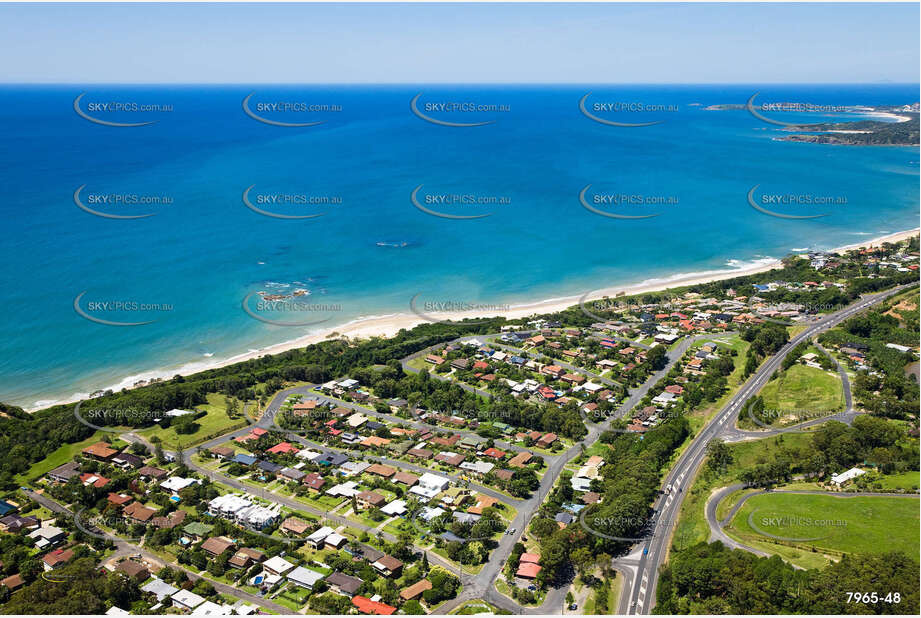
(429, 486)
(56, 558)
(305, 578)
(314, 482)
(375, 441)
(282, 448)
(177, 483)
(184, 599)
(591, 497)
(127, 460)
(317, 537)
(416, 590)
(159, 589)
(449, 458)
(135, 570)
(175, 518)
(47, 536)
(15, 523)
(270, 468)
(381, 470)
(405, 478)
(367, 606)
(370, 499)
(520, 460)
(119, 499)
(478, 467)
(222, 452)
(459, 363)
(152, 472)
(387, 566)
(245, 556)
(292, 474)
(95, 480)
(217, 545)
(504, 475)
(294, 525)
(483, 502)
(564, 518)
(64, 473)
(434, 359)
(528, 570)
(13, 582)
(472, 442)
(674, 389)
(546, 440)
(397, 507)
(419, 453)
(139, 513)
(100, 451)
(844, 477)
(277, 565)
(342, 584)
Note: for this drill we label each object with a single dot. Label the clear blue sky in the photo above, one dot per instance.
(459, 43)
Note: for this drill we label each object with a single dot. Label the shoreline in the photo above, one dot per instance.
(390, 324)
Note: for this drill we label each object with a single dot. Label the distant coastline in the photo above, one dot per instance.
(390, 324)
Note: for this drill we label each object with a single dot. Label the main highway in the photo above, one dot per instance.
(641, 567)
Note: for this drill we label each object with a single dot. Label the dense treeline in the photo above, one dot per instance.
(835, 447)
(630, 480)
(27, 438)
(765, 339)
(713, 579)
(77, 588)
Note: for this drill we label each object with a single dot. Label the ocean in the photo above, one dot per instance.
(186, 270)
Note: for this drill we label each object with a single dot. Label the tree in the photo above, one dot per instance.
(719, 455)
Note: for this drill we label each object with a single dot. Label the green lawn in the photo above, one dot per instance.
(692, 525)
(907, 480)
(59, 457)
(476, 606)
(215, 422)
(804, 388)
(862, 524)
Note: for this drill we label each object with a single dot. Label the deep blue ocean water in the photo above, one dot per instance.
(206, 251)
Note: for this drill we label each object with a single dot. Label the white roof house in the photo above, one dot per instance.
(177, 483)
(277, 565)
(397, 507)
(580, 483)
(347, 489)
(356, 420)
(478, 467)
(187, 600)
(317, 537)
(308, 454)
(430, 485)
(159, 588)
(335, 540)
(305, 578)
(348, 383)
(844, 477)
(428, 513)
(117, 611)
(351, 468)
(211, 609)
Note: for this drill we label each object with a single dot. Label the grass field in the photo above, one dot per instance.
(59, 457)
(804, 388)
(215, 422)
(692, 526)
(861, 524)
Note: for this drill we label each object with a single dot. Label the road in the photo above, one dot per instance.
(125, 548)
(482, 585)
(641, 598)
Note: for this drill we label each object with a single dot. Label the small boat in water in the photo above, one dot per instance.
(398, 244)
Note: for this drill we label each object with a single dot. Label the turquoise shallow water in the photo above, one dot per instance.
(203, 252)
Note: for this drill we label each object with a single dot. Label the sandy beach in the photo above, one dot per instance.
(389, 325)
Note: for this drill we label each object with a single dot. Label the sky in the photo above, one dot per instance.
(459, 43)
